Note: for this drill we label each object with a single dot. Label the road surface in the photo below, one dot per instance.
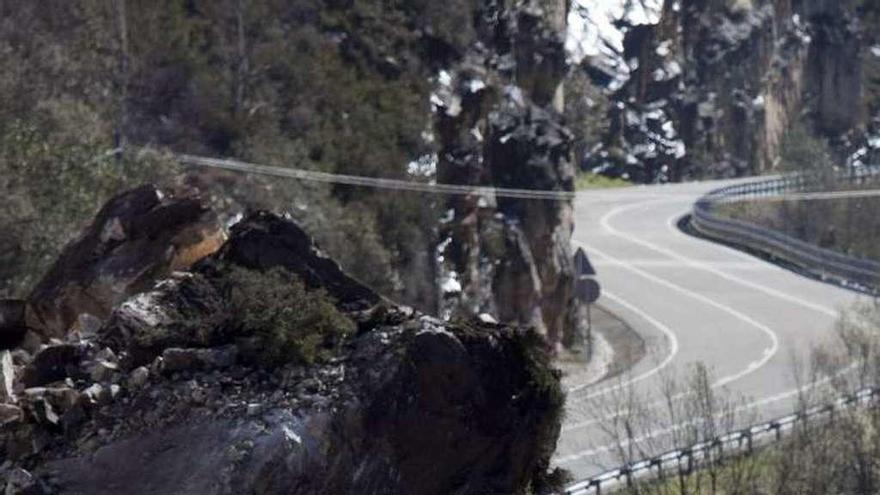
(692, 301)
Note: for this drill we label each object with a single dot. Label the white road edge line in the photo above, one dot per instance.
(670, 336)
(753, 366)
(768, 353)
(670, 225)
(606, 224)
(774, 340)
(758, 403)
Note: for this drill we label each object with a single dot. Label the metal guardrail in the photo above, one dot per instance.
(821, 262)
(685, 460)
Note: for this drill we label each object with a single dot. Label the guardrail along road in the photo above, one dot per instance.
(693, 301)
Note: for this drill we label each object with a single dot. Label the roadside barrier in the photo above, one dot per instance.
(821, 262)
(824, 263)
(686, 460)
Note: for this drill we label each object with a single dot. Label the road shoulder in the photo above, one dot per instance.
(616, 348)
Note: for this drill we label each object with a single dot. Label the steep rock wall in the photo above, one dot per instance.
(499, 123)
(716, 83)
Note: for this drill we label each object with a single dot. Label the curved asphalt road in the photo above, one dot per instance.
(692, 301)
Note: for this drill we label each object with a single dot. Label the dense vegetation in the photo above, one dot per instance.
(317, 84)
(54, 175)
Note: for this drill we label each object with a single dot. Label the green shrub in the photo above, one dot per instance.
(542, 375)
(802, 151)
(590, 180)
(283, 320)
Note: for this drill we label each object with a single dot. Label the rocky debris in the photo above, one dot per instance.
(9, 414)
(138, 377)
(176, 359)
(99, 394)
(314, 427)
(54, 406)
(104, 366)
(101, 371)
(161, 402)
(7, 377)
(85, 327)
(150, 322)
(21, 482)
(138, 237)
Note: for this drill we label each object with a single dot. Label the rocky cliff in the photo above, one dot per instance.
(265, 369)
(498, 106)
(715, 85)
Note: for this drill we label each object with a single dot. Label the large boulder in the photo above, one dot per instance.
(137, 238)
(185, 310)
(407, 404)
(416, 407)
(263, 241)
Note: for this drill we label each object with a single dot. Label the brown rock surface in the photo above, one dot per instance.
(410, 404)
(137, 238)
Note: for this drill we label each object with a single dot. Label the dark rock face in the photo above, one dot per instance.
(137, 238)
(185, 310)
(534, 138)
(12, 323)
(834, 74)
(716, 84)
(159, 401)
(263, 241)
(53, 363)
(499, 123)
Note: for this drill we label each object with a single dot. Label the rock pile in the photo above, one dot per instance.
(164, 397)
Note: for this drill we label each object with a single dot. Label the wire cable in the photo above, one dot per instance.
(356, 180)
(498, 192)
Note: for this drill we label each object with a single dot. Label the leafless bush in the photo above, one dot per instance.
(685, 410)
(837, 453)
